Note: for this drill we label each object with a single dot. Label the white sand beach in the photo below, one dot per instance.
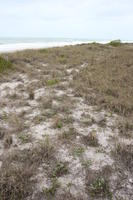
(13, 46)
(35, 45)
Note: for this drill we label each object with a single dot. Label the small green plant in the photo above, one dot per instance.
(4, 64)
(24, 138)
(94, 42)
(51, 82)
(50, 192)
(5, 115)
(59, 170)
(100, 188)
(68, 120)
(62, 56)
(44, 50)
(78, 151)
(100, 150)
(62, 60)
(87, 163)
(58, 123)
(115, 43)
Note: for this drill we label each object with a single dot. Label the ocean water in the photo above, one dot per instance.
(16, 44)
(44, 40)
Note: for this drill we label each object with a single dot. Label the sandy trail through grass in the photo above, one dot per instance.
(54, 142)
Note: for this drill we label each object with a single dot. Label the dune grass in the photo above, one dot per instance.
(57, 79)
(115, 43)
(4, 64)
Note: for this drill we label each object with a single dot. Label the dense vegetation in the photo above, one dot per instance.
(4, 64)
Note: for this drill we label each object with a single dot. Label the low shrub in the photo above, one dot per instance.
(115, 43)
(4, 64)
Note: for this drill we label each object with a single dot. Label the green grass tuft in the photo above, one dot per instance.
(59, 170)
(4, 65)
(115, 43)
(50, 192)
(52, 82)
(100, 188)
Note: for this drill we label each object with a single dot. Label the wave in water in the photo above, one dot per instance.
(18, 44)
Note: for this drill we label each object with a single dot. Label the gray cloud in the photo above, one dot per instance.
(71, 18)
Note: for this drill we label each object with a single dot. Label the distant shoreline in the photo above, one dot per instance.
(7, 48)
(13, 47)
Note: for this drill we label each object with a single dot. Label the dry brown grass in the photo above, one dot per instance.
(126, 128)
(110, 77)
(58, 122)
(68, 196)
(7, 141)
(68, 136)
(105, 81)
(2, 133)
(19, 169)
(108, 73)
(15, 182)
(98, 184)
(123, 153)
(91, 139)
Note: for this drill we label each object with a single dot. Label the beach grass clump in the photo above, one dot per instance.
(44, 50)
(68, 136)
(87, 163)
(78, 151)
(100, 188)
(24, 138)
(57, 123)
(91, 139)
(19, 168)
(2, 133)
(115, 43)
(62, 60)
(51, 82)
(45, 151)
(126, 128)
(124, 155)
(8, 141)
(108, 84)
(4, 64)
(51, 191)
(59, 169)
(15, 182)
(31, 95)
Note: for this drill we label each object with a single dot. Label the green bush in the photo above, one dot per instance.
(115, 43)
(4, 64)
(51, 82)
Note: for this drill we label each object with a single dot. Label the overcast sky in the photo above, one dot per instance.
(93, 19)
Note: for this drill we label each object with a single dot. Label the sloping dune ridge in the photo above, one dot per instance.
(66, 123)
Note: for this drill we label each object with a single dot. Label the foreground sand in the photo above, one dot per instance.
(62, 134)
